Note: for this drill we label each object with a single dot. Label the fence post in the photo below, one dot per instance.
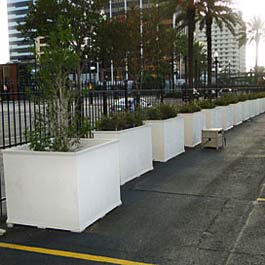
(105, 99)
(126, 95)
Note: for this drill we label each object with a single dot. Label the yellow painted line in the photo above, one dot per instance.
(69, 254)
(261, 200)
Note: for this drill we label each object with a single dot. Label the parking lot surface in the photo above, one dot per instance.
(204, 207)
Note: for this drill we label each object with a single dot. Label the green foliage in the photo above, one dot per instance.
(190, 107)
(56, 129)
(243, 97)
(227, 99)
(161, 112)
(207, 104)
(120, 121)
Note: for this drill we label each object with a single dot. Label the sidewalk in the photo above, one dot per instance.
(199, 208)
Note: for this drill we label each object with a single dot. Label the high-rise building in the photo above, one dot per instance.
(19, 48)
(231, 56)
(117, 7)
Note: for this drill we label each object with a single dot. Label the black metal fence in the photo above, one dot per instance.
(18, 109)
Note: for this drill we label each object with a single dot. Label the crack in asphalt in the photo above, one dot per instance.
(194, 195)
(243, 229)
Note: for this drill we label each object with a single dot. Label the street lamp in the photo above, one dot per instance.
(216, 66)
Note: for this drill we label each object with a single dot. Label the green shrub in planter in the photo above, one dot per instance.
(120, 121)
(190, 107)
(207, 104)
(161, 112)
(222, 101)
(258, 95)
(243, 97)
(251, 96)
(226, 100)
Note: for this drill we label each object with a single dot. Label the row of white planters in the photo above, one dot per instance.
(72, 190)
(225, 117)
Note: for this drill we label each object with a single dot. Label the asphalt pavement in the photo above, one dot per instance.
(204, 207)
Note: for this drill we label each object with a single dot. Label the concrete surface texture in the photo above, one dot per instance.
(200, 208)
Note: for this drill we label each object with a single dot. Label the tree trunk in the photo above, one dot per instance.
(191, 29)
(209, 22)
(79, 103)
(257, 56)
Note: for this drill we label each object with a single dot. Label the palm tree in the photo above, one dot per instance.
(255, 32)
(220, 12)
(186, 18)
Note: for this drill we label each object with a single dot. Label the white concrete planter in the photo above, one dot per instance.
(237, 113)
(213, 117)
(260, 105)
(59, 190)
(263, 105)
(135, 150)
(227, 117)
(167, 138)
(257, 109)
(193, 125)
(245, 110)
(252, 110)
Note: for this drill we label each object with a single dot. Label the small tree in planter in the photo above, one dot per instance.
(167, 131)
(55, 129)
(194, 122)
(61, 184)
(135, 142)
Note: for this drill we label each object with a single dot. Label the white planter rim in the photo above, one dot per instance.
(208, 109)
(23, 149)
(225, 105)
(123, 131)
(166, 120)
(221, 107)
(189, 113)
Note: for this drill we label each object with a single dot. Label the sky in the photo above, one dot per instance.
(249, 8)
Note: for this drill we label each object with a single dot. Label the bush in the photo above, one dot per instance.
(243, 97)
(120, 121)
(226, 100)
(207, 104)
(190, 108)
(161, 112)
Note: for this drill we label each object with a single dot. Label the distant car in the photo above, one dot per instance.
(224, 91)
(190, 93)
(119, 105)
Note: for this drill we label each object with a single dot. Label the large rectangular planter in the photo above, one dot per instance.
(252, 110)
(135, 150)
(167, 138)
(237, 113)
(260, 106)
(59, 190)
(263, 104)
(257, 109)
(193, 125)
(245, 110)
(227, 117)
(213, 117)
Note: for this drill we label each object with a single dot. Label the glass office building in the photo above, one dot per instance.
(19, 48)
